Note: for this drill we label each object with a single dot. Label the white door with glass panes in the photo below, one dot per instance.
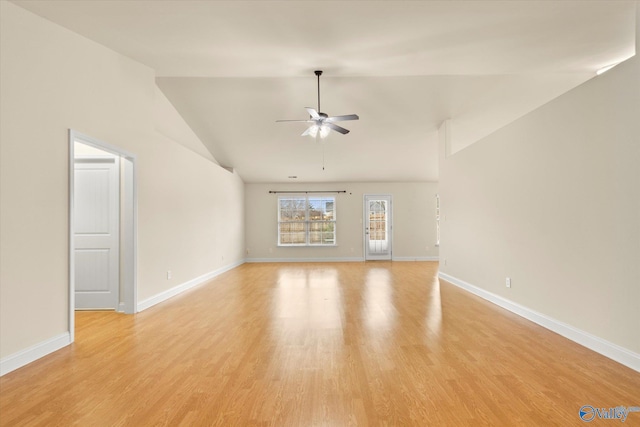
(377, 227)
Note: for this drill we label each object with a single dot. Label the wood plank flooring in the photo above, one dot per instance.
(336, 344)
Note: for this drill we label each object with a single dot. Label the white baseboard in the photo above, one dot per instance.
(592, 342)
(337, 259)
(334, 259)
(169, 293)
(33, 353)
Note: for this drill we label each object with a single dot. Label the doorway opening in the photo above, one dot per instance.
(102, 227)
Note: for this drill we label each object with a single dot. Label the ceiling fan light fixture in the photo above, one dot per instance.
(324, 131)
(315, 131)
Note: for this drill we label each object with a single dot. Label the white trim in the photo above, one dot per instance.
(337, 259)
(129, 230)
(347, 259)
(72, 245)
(176, 290)
(33, 353)
(592, 342)
(415, 258)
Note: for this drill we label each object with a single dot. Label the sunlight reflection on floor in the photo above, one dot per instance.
(308, 298)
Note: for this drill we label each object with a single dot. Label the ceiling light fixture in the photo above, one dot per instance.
(322, 130)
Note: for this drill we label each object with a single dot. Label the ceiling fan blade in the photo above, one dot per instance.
(299, 121)
(312, 112)
(342, 118)
(337, 128)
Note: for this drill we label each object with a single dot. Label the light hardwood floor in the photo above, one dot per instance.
(379, 344)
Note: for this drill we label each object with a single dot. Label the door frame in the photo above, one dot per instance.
(365, 212)
(128, 226)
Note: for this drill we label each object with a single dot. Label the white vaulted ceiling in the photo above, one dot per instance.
(232, 68)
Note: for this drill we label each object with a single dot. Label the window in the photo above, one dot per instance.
(306, 221)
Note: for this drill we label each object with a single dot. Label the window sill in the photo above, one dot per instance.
(307, 246)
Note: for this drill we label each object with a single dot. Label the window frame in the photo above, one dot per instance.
(307, 221)
(437, 220)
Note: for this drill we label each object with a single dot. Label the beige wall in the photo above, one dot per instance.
(190, 211)
(553, 201)
(414, 227)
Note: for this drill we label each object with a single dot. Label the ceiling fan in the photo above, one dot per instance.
(322, 123)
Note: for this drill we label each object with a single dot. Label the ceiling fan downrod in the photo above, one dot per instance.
(318, 73)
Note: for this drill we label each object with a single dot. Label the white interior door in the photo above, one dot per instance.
(378, 227)
(96, 232)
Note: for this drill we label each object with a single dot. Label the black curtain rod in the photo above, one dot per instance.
(306, 192)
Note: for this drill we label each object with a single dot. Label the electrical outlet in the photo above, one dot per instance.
(508, 282)
(169, 275)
